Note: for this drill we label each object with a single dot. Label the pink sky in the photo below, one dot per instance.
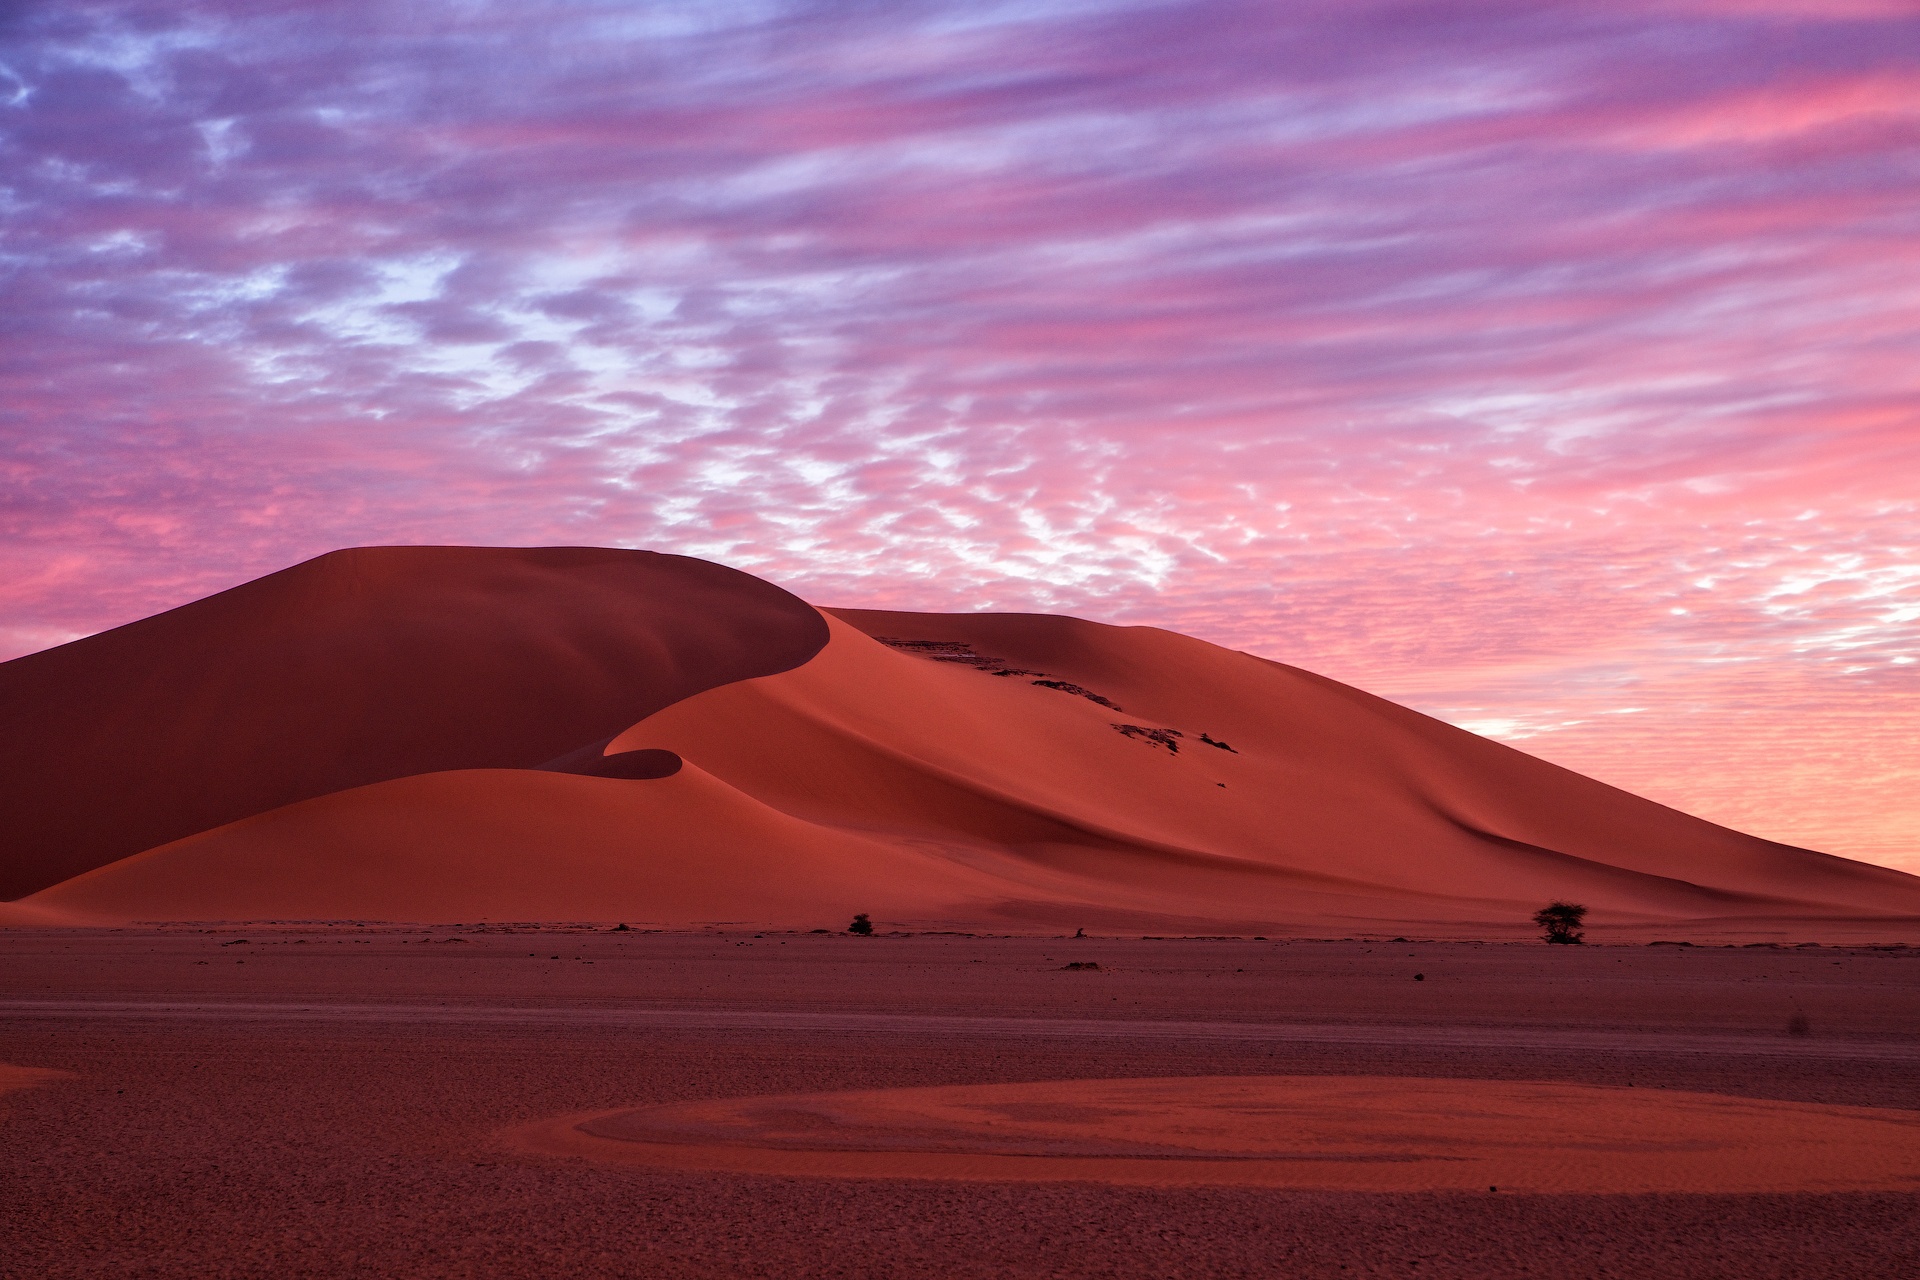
(1554, 369)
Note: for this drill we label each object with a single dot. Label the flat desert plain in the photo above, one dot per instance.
(462, 1100)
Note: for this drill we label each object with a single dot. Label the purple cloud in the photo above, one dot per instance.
(1548, 367)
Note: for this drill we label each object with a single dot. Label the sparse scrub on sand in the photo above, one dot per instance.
(1561, 921)
(861, 925)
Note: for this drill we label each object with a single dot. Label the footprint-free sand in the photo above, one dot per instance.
(354, 1100)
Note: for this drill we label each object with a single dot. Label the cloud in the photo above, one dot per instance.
(1528, 363)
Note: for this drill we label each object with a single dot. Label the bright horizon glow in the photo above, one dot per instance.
(1551, 368)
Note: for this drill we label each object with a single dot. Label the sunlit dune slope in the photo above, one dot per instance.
(354, 668)
(1331, 806)
(1383, 789)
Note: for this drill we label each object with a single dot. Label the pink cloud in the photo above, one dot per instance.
(1547, 367)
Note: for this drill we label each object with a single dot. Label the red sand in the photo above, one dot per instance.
(331, 1106)
(1325, 1133)
(13, 1077)
(1062, 774)
(354, 668)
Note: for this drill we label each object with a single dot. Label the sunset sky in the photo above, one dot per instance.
(1551, 368)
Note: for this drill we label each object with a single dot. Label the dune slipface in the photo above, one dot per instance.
(1011, 771)
(355, 668)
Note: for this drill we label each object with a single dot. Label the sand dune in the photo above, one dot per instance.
(958, 770)
(354, 668)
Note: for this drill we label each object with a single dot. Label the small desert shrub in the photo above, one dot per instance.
(1560, 921)
(861, 925)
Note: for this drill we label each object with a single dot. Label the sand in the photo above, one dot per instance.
(444, 734)
(332, 1099)
(1319, 1133)
(16, 1077)
(355, 668)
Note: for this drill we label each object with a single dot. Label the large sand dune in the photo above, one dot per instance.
(1001, 771)
(354, 668)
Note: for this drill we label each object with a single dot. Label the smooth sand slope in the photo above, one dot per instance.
(999, 771)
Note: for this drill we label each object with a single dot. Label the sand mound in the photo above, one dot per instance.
(355, 668)
(1006, 771)
(1336, 1133)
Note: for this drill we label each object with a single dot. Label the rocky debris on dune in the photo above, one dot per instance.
(962, 654)
(1068, 687)
(1168, 738)
(955, 651)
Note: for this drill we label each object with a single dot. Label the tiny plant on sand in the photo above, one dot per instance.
(861, 925)
(1560, 921)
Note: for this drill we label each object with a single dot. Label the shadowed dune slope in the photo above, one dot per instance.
(354, 668)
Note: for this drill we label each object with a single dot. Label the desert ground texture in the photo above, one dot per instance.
(355, 1099)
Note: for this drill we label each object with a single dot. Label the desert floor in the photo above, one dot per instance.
(330, 1100)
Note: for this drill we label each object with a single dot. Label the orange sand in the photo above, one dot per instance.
(1336, 1133)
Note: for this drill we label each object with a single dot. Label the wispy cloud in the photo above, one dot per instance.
(1549, 367)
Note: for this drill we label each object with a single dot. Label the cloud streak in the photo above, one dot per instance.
(1547, 367)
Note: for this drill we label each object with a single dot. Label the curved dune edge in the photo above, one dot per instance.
(1321, 1133)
